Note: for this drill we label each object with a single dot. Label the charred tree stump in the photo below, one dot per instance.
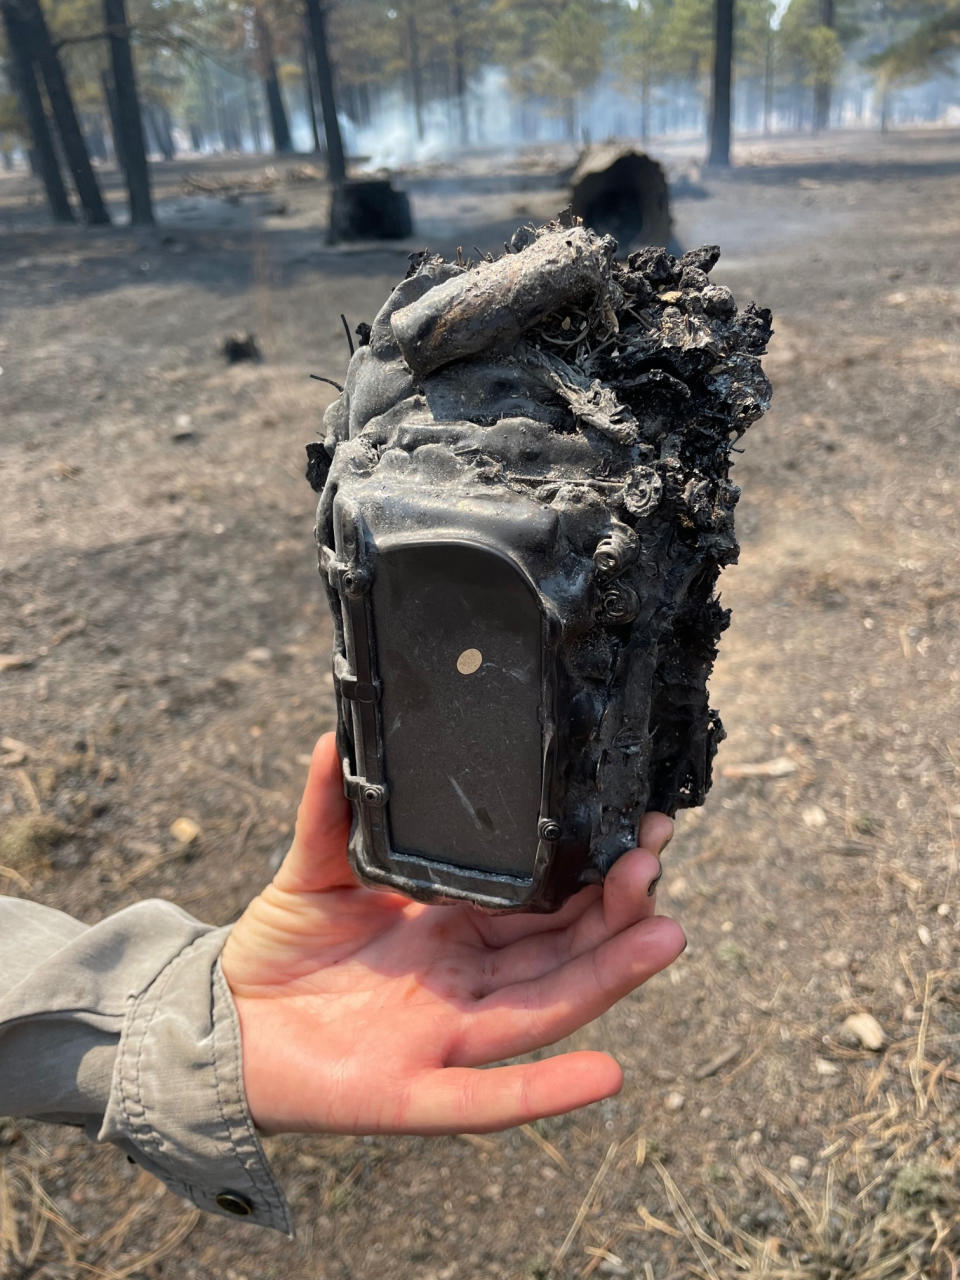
(369, 210)
(624, 194)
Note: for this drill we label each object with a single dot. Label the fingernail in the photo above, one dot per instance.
(652, 886)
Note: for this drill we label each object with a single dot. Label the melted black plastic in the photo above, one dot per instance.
(574, 414)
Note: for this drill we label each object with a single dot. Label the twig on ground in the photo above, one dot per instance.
(546, 1147)
(586, 1204)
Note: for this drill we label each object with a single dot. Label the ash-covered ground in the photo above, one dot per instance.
(793, 1081)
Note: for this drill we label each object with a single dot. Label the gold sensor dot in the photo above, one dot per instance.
(469, 662)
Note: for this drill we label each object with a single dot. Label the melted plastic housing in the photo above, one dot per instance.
(521, 532)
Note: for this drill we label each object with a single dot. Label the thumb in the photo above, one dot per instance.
(317, 859)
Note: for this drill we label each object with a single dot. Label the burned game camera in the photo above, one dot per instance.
(524, 509)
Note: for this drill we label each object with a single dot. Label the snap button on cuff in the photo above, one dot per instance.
(234, 1202)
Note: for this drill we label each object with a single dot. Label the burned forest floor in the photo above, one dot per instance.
(792, 1096)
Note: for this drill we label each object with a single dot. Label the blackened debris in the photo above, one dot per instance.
(240, 346)
(705, 257)
(318, 465)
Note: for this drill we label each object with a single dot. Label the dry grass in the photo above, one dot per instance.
(882, 1201)
(886, 1203)
(25, 843)
(38, 1241)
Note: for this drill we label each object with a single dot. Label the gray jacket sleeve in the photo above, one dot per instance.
(128, 1028)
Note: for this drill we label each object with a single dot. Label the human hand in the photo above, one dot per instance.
(363, 1012)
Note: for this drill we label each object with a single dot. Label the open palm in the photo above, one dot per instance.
(363, 1012)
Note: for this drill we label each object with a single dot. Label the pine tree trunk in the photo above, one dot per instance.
(823, 87)
(96, 142)
(768, 81)
(151, 143)
(42, 153)
(232, 128)
(349, 100)
(460, 74)
(306, 64)
(279, 124)
(129, 119)
(226, 120)
(416, 71)
(722, 84)
(164, 123)
(36, 39)
(253, 114)
(336, 162)
(885, 110)
(211, 120)
(822, 91)
(110, 98)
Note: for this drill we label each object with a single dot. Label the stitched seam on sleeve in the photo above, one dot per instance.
(135, 1111)
(143, 1014)
(252, 1159)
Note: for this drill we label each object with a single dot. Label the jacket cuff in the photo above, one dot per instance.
(177, 1104)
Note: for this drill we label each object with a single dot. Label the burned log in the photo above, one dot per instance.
(490, 307)
(624, 194)
(521, 527)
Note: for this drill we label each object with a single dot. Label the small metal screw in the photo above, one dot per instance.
(356, 581)
(550, 830)
(371, 795)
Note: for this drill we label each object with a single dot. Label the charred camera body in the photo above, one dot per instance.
(525, 506)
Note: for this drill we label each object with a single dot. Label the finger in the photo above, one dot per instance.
(462, 1100)
(500, 931)
(529, 1015)
(656, 832)
(627, 899)
(629, 895)
(318, 856)
(629, 887)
